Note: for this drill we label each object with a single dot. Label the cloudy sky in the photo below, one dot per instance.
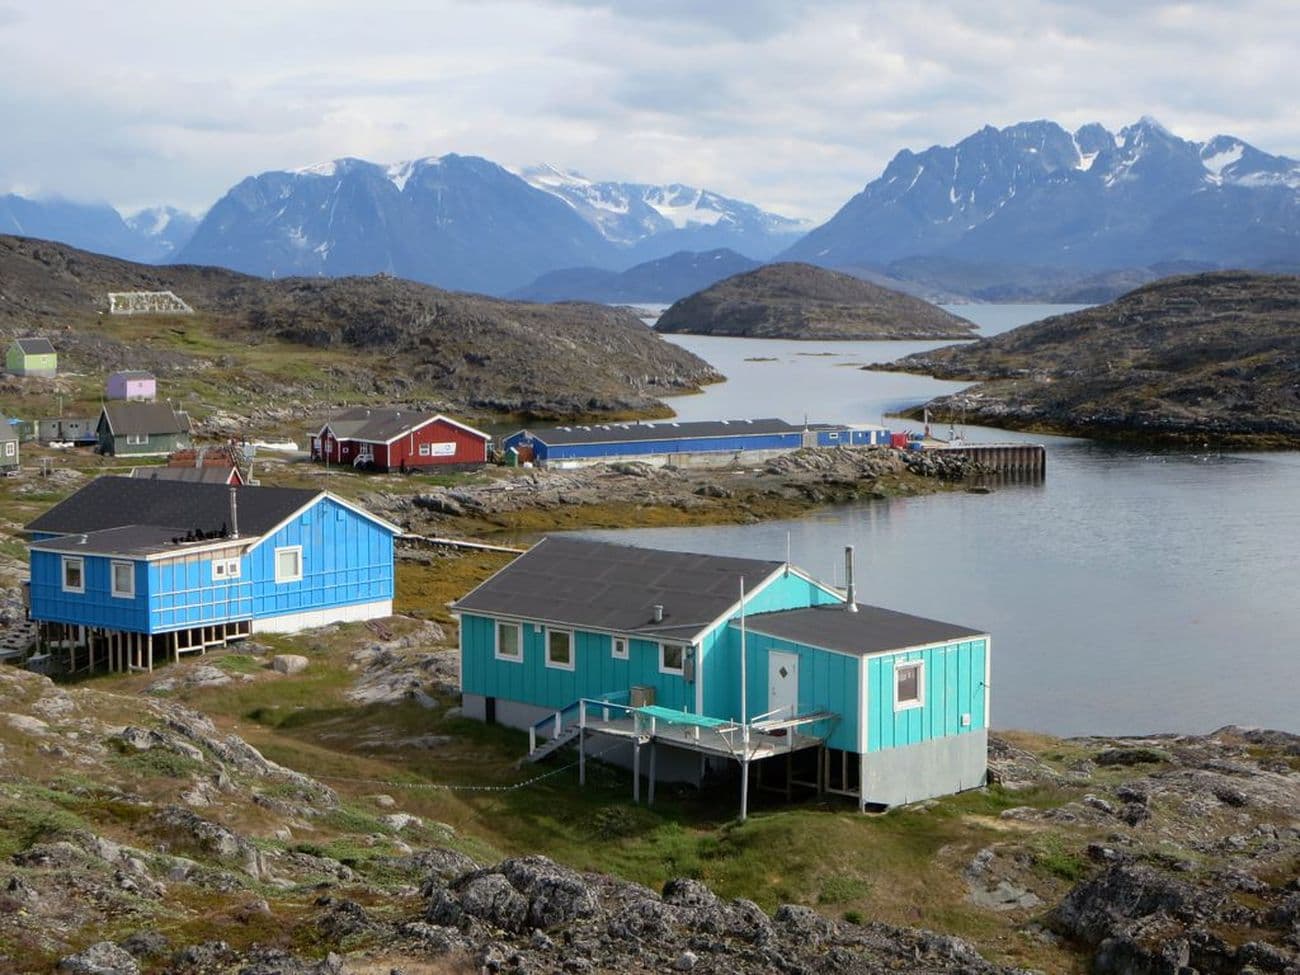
(793, 105)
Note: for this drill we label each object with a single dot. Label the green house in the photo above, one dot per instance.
(709, 663)
(139, 429)
(31, 357)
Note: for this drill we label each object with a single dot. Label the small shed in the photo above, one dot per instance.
(31, 357)
(141, 429)
(66, 429)
(8, 445)
(132, 384)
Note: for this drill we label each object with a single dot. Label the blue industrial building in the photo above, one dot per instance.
(708, 660)
(681, 443)
(134, 570)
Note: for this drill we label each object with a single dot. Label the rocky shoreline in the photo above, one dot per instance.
(630, 494)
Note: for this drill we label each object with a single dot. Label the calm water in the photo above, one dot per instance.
(1133, 591)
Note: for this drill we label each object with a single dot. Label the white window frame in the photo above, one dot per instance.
(11, 448)
(281, 577)
(120, 593)
(67, 562)
(919, 666)
(233, 569)
(426, 450)
(573, 650)
(218, 569)
(678, 671)
(614, 650)
(137, 439)
(516, 658)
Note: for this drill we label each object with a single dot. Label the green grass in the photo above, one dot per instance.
(1052, 857)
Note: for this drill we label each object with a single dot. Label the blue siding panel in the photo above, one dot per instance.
(954, 685)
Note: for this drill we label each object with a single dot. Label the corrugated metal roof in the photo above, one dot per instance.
(125, 418)
(35, 346)
(211, 474)
(604, 586)
(375, 425)
(131, 540)
(666, 430)
(117, 502)
(871, 629)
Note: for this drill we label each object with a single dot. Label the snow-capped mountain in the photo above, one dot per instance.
(459, 222)
(150, 236)
(656, 221)
(1037, 194)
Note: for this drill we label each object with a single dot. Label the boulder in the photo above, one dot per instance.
(104, 958)
(288, 663)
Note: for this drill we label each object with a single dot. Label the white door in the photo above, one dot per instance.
(782, 684)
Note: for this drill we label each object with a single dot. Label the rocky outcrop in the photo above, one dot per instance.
(1207, 359)
(799, 301)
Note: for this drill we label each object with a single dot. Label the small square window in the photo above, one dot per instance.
(124, 580)
(559, 649)
(509, 646)
(232, 569)
(670, 658)
(288, 564)
(619, 651)
(909, 685)
(425, 449)
(74, 574)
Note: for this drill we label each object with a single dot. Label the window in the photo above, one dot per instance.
(508, 642)
(909, 685)
(670, 658)
(124, 580)
(426, 449)
(232, 568)
(559, 649)
(74, 574)
(11, 448)
(219, 569)
(137, 439)
(225, 569)
(619, 651)
(288, 564)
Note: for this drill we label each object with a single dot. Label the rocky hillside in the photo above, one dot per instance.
(312, 341)
(799, 301)
(1202, 359)
(138, 834)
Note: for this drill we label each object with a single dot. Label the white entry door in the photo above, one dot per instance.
(782, 684)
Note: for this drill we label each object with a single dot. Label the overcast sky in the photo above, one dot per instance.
(792, 105)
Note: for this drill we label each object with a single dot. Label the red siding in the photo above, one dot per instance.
(466, 448)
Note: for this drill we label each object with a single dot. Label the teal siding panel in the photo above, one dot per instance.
(954, 686)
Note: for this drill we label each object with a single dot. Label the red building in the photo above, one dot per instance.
(393, 440)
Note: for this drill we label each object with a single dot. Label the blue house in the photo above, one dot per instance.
(708, 660)
(134, 570)
(682, 443)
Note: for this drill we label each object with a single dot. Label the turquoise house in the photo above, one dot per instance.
(130, 570)
(628, 648)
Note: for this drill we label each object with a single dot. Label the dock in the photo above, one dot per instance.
(1021, 460)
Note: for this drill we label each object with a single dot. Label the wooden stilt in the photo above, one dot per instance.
(744, 789)
(636, 772)
(651, 789)
(582, 751)
(151, 653)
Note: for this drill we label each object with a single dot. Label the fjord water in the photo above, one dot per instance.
(1134, 590)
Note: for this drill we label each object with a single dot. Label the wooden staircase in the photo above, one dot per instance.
(553, 745)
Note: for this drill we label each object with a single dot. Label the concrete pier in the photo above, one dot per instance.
(1021, 460)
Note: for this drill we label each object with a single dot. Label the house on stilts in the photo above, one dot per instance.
(131, 571)
(682, 664)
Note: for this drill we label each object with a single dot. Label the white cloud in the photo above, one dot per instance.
(794, 105)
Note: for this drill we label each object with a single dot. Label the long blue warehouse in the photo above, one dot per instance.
(680, 443)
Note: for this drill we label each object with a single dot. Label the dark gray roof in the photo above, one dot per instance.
(8, 429)
(210, 474)
(116, 502)
(35, 346)
(152, 418)
(603, 586)
(870, 630)
(638, 432)
(132, 540)
(375, 425)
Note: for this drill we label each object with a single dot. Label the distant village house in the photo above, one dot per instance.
(8, 446)
(132, 384)
(31, 357)
(396, 440)
(141, 429)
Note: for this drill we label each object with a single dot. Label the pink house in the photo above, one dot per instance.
(132, 384)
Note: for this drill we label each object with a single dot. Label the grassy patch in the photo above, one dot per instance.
(842, 889)
(1053, 858)
(158, 763)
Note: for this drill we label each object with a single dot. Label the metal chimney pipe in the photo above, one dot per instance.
(852, 604)
(234, 512)
(658, 614)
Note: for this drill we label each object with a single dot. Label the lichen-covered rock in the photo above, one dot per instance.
(103, 958)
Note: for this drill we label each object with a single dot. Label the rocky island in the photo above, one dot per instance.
(799, 301)
(269, 350)
(1197, 359)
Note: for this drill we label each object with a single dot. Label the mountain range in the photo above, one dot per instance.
(1030, 211)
